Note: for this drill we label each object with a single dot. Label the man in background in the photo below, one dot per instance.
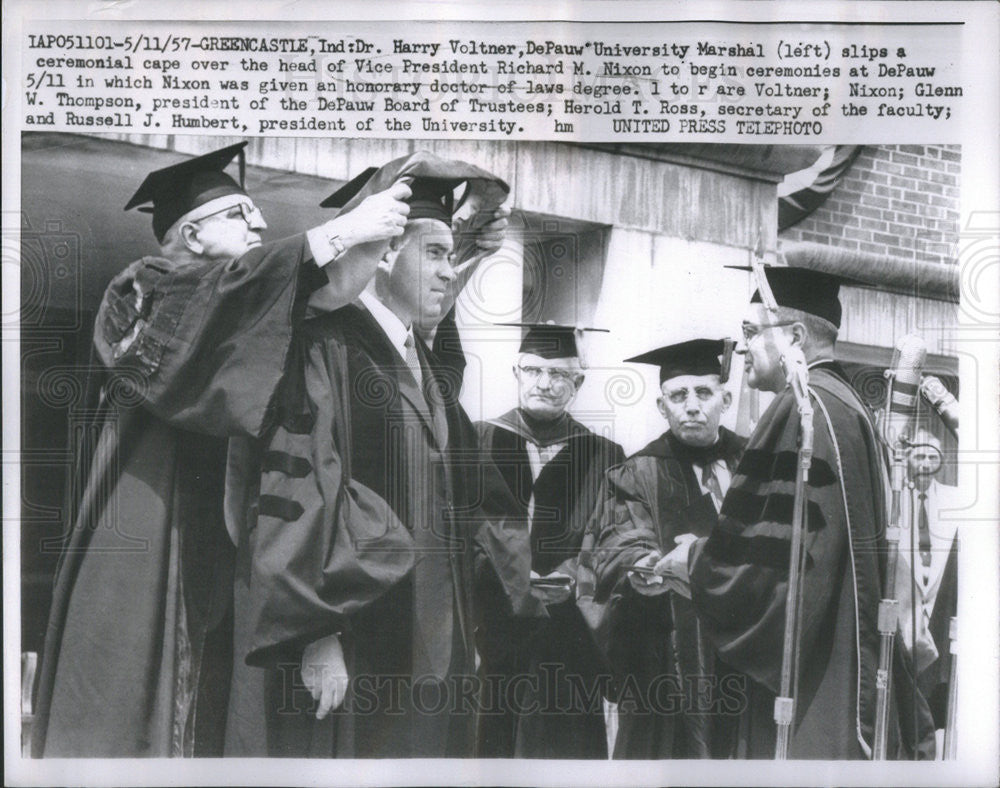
(927, 572)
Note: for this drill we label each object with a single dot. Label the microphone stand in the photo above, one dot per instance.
(784, 704)
(888, 607)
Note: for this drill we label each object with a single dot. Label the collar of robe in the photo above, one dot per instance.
(539, 432)
(702, 455)
(830, 365)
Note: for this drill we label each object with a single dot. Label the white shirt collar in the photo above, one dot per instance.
(388, 321)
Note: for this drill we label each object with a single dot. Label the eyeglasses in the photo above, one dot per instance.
(680, 396)
(249, 212)
(556, 374)
(750, 330)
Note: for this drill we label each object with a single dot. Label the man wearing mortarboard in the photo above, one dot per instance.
(354, 593)
(670, 692)
(541, 469)
(738, 574)
(192, 340)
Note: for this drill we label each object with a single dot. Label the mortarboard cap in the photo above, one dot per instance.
(433, 198)
(694, 357)
(805, 289)
(551, 340)
(182, 187)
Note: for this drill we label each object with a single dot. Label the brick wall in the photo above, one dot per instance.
(898, 200)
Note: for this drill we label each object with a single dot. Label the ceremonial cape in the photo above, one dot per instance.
(146, 570)
(739, 577)
(547, 650)
(653, 642)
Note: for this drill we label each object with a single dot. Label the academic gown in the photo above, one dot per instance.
(543, 675)
(664, 665)
(739, 579)
(146, 572)
(388, 567)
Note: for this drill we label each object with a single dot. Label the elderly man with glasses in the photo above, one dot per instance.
(672, 696)
(541, 472)
(183, 349)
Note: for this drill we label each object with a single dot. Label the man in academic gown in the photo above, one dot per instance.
(541, 669)
(928, 541)
(146, 572)
(667, 491)
(738, 574)
(355, 579)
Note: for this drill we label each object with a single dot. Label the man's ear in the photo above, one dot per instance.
(661, 406)
(798, 334)
(396, 245)
(578, 380)
(727, 400)
(189, 235)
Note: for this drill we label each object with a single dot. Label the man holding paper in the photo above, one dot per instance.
(670, 490)
(541, 469)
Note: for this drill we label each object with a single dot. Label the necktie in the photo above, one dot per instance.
(925, 531)
(432, 396)
(412, 361)
(711, 483)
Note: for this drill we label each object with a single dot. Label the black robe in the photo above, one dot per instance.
(656, 642)
(543, 675)
(392, 574)
(145, 576)
(739, 578)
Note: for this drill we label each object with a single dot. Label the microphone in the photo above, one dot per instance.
(793, 364)
(942, 400)
(904, 378)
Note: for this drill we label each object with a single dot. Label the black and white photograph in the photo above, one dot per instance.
(488, 456)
